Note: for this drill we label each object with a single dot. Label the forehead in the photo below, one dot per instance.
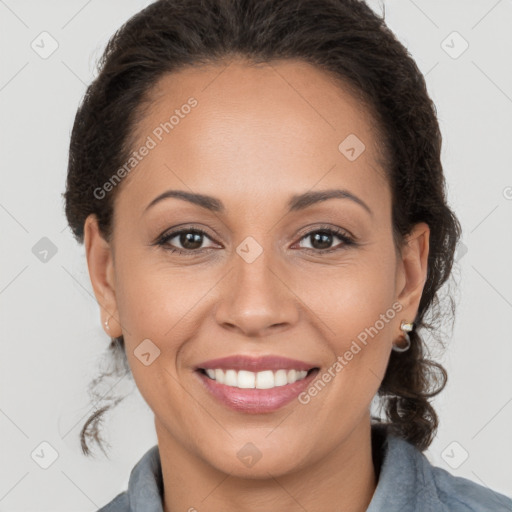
(282, 126)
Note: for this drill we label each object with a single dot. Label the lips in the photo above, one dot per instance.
(228, 385)
(255, 401)
(256, 364)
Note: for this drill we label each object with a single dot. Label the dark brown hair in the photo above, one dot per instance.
(344, 38)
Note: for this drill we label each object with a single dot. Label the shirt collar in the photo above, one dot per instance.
(145, 486)
(404, 479)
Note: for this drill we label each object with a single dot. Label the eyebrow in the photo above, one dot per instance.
(297, 202)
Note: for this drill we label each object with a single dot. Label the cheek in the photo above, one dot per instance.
(151, 310)
(352, 297)
(358, 316)
(161, 303)
(152, 296)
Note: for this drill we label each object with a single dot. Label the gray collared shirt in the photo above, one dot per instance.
(407, 481)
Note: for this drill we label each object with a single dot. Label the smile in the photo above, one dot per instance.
(255, 392)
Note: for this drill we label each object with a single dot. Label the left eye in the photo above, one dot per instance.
(190, 239)
(324, 237)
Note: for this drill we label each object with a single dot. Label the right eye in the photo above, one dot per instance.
(190, 240)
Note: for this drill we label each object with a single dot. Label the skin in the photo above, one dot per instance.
(259, 135)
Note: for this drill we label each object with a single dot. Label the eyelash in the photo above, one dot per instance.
(346, 239)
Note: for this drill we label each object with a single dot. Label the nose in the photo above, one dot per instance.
(257, 298)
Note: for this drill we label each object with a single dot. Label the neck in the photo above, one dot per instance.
(344, 480)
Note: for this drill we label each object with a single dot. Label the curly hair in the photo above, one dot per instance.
(343, 38)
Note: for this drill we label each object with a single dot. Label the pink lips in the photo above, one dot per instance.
(255, 401)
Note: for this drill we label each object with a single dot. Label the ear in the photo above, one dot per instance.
(101, 272)
(413, 270)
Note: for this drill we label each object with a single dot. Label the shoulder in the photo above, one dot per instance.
(120, 503)
(409, 481)
(145, 487)
(461, 494)
(454, 493)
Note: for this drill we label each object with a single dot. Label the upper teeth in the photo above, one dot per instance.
(261, 380)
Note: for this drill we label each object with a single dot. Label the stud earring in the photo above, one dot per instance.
(106, 324)
(406, 327)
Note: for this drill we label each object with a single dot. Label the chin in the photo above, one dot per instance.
(251, 462)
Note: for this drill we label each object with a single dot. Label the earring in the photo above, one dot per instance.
(406, 327)
(106, 324)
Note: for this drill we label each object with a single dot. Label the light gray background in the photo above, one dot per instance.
(51, 335)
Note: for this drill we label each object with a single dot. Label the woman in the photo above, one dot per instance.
(259, 190)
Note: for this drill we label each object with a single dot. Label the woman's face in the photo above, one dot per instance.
(267, 278)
